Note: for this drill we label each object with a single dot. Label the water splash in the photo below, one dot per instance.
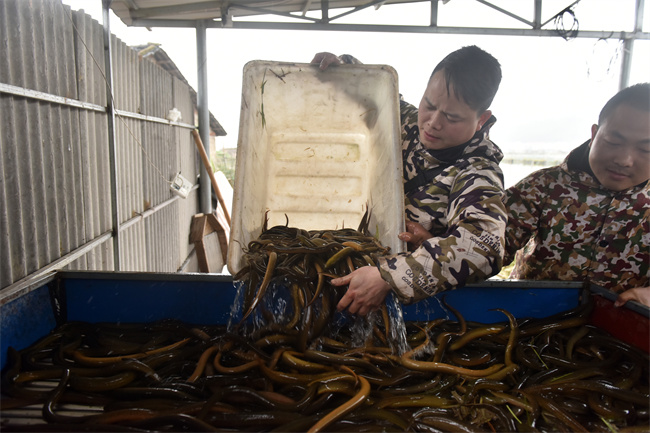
(274, 307)
(277, 308)
(237, 306)
(397, 341)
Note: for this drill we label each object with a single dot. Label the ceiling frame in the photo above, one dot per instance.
(219, 14)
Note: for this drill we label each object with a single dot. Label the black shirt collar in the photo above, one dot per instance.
(452, 154)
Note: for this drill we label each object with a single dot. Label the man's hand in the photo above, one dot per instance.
(638, 294)
(366, 290)
(415, 234)
(325, 59)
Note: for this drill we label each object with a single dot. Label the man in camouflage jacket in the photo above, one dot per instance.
(453, 188)
(460, 209)
(588, 218)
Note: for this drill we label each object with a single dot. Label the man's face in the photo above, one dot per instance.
(443, 119)
(619, 153)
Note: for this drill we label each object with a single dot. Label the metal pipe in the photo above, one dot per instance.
(151, 211)
(153, 119)
(638, 18)
(561, 12)
(505, 12)
(628, 46)
(383, 28)
(357, 9)
(537, 17)
(434, 13)
(626, 63)
(48, 97)
(205, 192)
(262, 11)
(112, 150)
(55, 99)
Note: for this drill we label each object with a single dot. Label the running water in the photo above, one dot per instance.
(276, 303)
(236, 307)
(397, 341)
(279, 309)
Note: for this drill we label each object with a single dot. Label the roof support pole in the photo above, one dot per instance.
(434, 13)
(628, 45)
(537, 15)
(112, 147)
(626, 63)
(205, 189)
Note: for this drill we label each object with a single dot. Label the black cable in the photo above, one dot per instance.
(561, 29)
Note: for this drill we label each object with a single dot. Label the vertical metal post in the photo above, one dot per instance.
(628, 45)
(112, 148)
(537, 17)
(626, 63)
(434, 13)
(205, 189)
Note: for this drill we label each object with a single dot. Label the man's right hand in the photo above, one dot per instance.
(323, 60)
(638, 294)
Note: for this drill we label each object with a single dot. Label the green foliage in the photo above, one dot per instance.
(224, 162)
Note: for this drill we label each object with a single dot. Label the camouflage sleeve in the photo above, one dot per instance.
(523, 206)
(472, 248)
(408, 114)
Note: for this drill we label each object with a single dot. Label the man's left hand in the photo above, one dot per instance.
(415, 234)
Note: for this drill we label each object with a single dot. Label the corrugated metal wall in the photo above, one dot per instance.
(56, 190)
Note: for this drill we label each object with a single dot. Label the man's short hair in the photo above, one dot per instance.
(474, 74)
(637, 96)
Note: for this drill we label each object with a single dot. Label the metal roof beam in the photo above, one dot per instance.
(172, 10)
(131, 4)
(357, 9)
(505, 12)
(305, 7)
(255, 25)
(561, 12)
(263, 11)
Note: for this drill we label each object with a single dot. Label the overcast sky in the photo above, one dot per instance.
(551, 93)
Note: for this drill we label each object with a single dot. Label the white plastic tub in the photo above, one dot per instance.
(318, 147)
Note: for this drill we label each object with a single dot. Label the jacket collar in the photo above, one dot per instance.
(577, 164)
(477, 146)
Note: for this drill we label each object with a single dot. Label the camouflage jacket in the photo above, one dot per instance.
(461, 207)
(572, 228)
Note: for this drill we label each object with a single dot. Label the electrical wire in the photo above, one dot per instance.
(110, 92)
(561, 28)
(602, 48)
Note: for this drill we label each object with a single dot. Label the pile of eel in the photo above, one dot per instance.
(289, 372)
(543, 375)
(285, 281)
